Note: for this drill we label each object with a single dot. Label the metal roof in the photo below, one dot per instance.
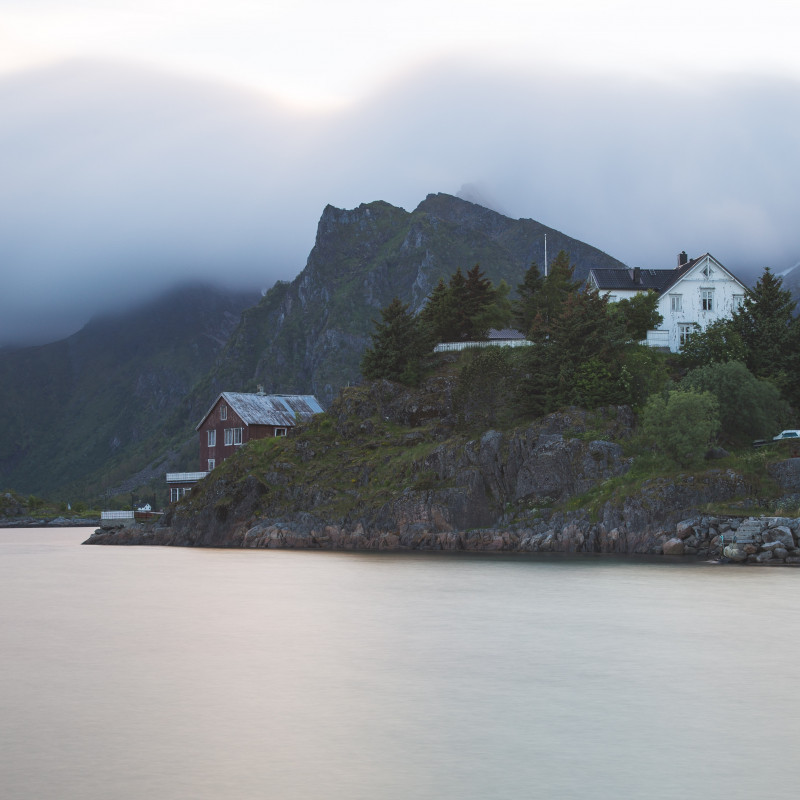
(283, 410)
(504, 334)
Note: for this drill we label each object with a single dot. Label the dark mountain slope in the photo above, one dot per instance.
(80, 406)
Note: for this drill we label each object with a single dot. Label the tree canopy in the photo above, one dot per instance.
(398, 344)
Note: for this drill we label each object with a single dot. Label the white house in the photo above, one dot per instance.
(697, 292)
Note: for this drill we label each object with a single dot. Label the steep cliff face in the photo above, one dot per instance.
(309, 335)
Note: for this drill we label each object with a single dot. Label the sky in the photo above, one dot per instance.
(146, 143)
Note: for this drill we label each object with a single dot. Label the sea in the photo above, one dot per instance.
(205, 674)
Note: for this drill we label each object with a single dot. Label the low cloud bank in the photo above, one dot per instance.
(118, 182)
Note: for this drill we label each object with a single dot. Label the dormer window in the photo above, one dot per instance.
(707, 299)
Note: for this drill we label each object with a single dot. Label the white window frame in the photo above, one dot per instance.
(211, 464)
(676, 302)
(223, 412)
(738, 301)
(228, 436)
(212, 438)
(237, 436)
(684, 329)
(281, 431)
(707, 299)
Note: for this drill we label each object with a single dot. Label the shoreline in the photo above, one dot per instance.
(57, 522)
(759, 541)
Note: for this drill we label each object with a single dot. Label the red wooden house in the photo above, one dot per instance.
(236, 418)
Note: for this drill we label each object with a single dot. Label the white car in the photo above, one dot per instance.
(787, 435)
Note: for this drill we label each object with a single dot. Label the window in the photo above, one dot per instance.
(212, 438)
(223, 412)
(280, 431)
(676, 302)
(707, 271)
(707, 299)
(233, 436)
(211, 464)
(685, 330)
(738, 301)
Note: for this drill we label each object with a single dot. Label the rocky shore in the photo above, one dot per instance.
(762, 541)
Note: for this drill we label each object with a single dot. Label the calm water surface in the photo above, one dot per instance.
(173, 673)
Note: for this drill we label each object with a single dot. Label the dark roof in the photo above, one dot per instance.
(656, 279)
(283, 410)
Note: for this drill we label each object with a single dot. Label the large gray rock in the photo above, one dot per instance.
(674, 547)
(780, 534)
(786, 474)
(735, 553)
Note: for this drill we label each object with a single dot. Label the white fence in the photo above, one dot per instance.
(116, 515)
(449, 347)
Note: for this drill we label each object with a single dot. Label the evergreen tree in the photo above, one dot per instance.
(526, 308)
(466, 308)
(548, 303)
(398, 345)
(458, 298)
(438, 315)
(768, 329)
(638, 314)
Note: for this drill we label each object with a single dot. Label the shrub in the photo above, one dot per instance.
(681, 424)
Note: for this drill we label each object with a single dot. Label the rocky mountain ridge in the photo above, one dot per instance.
(309, 335)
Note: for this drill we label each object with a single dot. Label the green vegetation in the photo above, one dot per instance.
(343, 468)
(681, 425)
(15, 505)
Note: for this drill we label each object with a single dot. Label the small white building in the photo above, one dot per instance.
(691, 296)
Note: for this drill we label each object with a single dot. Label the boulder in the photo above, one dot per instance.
(735, 552)
(781, 534)
(673, 547)
(685, 528)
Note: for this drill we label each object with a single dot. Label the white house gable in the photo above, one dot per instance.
(691, 296)
(707, 292)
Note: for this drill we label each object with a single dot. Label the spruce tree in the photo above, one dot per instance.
(525, 308)
(398, 344)
(766, 325)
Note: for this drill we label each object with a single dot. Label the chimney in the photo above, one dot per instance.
(260, 390)
(683, 259)
(637, 275)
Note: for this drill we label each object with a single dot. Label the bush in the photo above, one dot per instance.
(748, 407)
(681, 424)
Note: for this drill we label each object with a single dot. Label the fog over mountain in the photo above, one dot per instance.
(119, 181)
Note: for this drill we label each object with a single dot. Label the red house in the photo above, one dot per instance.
(235, 418)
